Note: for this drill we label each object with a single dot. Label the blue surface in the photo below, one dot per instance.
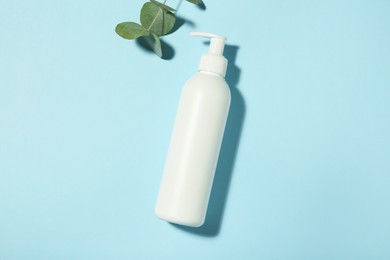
(86, 117)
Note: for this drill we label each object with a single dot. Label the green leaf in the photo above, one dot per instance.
(154, 43)
(156, 19)
(197, 2)
(163, 6)
(130, 30)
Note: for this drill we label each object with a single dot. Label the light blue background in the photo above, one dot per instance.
(86, 117)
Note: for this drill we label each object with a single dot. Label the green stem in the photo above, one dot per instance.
(155, 18)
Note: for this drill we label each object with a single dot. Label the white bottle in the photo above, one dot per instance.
(196, 140)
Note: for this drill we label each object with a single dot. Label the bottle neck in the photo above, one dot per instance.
(210, 73)
(213, 63)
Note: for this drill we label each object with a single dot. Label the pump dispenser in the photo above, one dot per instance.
(213, 61)
(196, 140)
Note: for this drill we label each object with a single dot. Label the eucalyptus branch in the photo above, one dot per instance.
(157, 19)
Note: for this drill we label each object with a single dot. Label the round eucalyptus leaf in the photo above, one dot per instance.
(163, 6)
(156, 19)
(154, 43)
(130, 30)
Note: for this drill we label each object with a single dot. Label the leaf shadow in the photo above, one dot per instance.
(168, 52)
(180, 21)
(201, 6)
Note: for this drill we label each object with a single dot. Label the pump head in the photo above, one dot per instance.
(213, 61)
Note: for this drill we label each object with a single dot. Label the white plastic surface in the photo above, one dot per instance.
(213, 61)
(217, 42)
(194, 150)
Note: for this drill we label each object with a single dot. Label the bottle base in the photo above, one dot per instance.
(180, 220)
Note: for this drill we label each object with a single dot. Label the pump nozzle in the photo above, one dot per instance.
(217, 42)
(213, 61)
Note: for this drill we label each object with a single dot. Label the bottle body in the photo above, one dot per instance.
(194, 149)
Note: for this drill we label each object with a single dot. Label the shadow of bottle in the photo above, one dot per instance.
(228, 153)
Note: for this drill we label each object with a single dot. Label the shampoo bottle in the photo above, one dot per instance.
(196, 140)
